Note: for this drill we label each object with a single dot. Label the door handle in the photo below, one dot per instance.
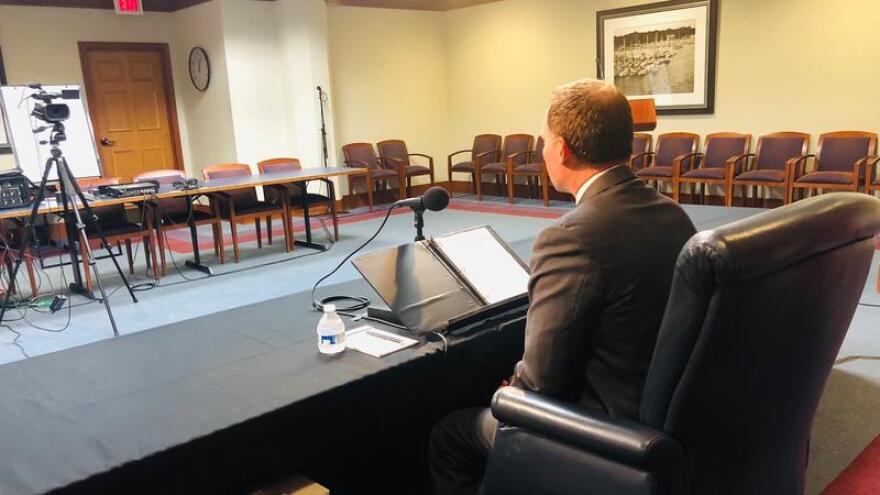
(107, 142)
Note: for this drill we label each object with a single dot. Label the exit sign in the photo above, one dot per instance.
(135, 7)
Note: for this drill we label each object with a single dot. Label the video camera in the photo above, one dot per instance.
(47, 111)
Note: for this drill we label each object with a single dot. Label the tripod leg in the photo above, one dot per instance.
(63, 171)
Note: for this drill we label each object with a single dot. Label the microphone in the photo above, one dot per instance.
(434, 199)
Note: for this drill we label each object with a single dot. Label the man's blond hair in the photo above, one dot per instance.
(594, 119)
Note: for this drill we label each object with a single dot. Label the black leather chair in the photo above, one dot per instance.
(756, 315)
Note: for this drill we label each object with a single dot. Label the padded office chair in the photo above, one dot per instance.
(393, 154)
(514, 152)
(533, 169)
(114, 222)
(737, 372)
(362, 155)
(641, 150)
(296, 194)
(173, 213)
(722, 158)
(769, 165)
(486, 149)
(242, 206)
(676, 153)
(840, 162)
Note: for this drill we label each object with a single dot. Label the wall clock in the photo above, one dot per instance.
(199, 68)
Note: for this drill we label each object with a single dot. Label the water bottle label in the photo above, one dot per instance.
(329, 339)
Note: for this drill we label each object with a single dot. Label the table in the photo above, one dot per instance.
(207, 187)
(228, 402)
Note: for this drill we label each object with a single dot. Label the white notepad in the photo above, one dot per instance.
(486, 263)
(375, 342)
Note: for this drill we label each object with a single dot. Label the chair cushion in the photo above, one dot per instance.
(382, 172)
(706, 173)
(828, 177)
(657, 171)
(765, 175)
(417, 170)
(530, 168)
(500, 168)
(463, 167)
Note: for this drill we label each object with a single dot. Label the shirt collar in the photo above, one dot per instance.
(586, 185)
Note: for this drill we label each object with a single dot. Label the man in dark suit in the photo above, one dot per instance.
(600, 279)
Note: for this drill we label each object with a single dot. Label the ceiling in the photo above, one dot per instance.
(149, 5)
(411, 4)
(172, 5)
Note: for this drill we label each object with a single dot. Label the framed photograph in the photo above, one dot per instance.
(664, 51)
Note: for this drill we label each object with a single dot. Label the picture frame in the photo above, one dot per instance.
(664, 50)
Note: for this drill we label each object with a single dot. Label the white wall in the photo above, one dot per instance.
(40, 44)
(390, 79)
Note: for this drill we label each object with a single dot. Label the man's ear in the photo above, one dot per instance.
(566, 153)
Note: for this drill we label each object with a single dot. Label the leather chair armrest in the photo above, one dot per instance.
(732, 169)
(617, 439)
(861, 162)
(429, 157)
(356, 164)
(793, 170)
(871, 170)
(692, 158)
(394, 162)
(634, 158)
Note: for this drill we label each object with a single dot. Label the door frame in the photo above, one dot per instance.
(85, 47)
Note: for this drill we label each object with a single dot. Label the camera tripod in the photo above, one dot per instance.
(75, 232)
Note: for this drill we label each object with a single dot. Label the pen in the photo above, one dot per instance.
(383, 337)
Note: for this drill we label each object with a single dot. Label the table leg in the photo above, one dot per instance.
(308, 223)
(196, 262)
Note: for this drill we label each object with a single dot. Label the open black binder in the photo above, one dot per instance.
(434, 284)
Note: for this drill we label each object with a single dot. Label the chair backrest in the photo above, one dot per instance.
(241, 197)
(673, 144)
(838, 151)
(395, 149)
(538, 156)
(274, 165)
(721, 146)
(741, 359)
(484, 143)
(359, 155)
(641, 144)
(776, 148)
(165, 177)
(519, 145)
(225, 170)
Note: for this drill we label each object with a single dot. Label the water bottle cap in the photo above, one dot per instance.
(329, 308)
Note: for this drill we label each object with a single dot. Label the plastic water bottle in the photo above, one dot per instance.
(331, 331)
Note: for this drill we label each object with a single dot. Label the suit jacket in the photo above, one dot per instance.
(600, 278)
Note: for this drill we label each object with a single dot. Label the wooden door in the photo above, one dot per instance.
(132, 109)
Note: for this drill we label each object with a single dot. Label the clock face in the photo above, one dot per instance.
(199, 68)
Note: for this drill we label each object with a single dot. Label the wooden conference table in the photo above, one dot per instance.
(213, 186)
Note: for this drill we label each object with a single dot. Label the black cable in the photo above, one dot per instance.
(362, 302)
(15, 341)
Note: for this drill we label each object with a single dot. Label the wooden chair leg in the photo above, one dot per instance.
(218, 225)
(675, 190)
(545, 190)
(510, 189)
(258, 226)
(336, 218)
(728, 194)
(235, 251)
(160, 241)
(87, 273)
(130, 258)
(371, 184)
(269, 228)
(478, 186)
(474, 181)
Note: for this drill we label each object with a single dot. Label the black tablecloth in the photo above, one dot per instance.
(229, 401)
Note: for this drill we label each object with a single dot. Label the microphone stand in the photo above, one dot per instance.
(419, 223)
(321, 98)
